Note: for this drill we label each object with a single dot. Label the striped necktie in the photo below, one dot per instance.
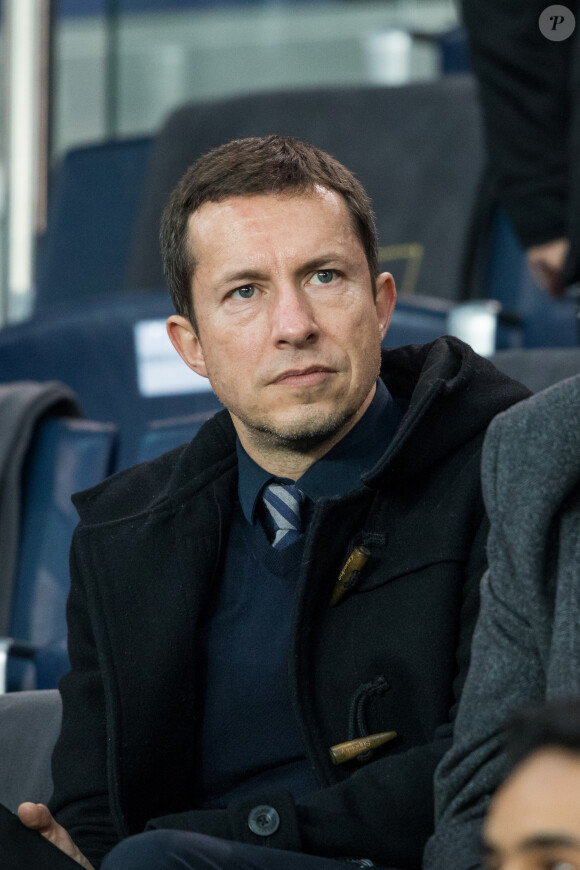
(283, 503)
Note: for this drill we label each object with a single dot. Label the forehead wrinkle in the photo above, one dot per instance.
(239, 206)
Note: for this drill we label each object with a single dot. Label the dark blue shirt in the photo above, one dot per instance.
(249, 735)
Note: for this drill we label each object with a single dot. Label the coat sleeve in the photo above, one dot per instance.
(524, 84)
(384, 811)
(79, 764)
(505, 664)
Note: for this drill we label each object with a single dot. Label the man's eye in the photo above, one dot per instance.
(243, 292)
(325, 276)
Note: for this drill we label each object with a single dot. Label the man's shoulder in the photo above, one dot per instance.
(159, 483)
(450, 365)
(451, 394)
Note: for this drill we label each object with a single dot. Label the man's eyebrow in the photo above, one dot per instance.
(535, 841)
(323, 261)
(242, 275)
(550, 841)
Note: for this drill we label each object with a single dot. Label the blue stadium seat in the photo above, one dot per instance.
(93, 203)
(116, 357)
(163, 435)
(454, 51)
(65, 456)
(417, 320)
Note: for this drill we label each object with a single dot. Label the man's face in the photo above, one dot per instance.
(533, 821)
(288, 331)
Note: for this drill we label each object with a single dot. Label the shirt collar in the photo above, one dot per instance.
(340, 470)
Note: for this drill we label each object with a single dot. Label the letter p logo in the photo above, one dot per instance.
(557, 23)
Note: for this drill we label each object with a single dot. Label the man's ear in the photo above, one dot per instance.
(385, 300)
(185, 341)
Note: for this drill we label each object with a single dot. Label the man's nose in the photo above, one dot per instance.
(292, 317)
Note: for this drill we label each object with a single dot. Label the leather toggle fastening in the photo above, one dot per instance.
(349, 574)
(342, 752)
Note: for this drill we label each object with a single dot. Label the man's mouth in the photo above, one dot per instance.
(303, 377)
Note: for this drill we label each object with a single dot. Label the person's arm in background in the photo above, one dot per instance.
(547, 263)
(525, 87)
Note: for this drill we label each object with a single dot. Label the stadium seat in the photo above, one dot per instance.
(65, 456)
(163, 435)
(539, 368)
(117, 358)
(29, 726)
(417, 319)
(93, 203)
(454, 51)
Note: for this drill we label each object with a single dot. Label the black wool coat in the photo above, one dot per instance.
(392, 654)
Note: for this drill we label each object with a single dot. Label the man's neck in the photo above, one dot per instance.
(284, 462)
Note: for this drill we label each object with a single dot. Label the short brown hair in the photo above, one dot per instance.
(242, 167)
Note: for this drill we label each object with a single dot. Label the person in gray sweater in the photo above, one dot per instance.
(526, 646)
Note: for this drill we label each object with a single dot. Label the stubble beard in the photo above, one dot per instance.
(301, 437)
(304, 436)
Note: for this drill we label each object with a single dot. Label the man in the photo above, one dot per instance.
(533, 820)
(257, 665)
(526, 646)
